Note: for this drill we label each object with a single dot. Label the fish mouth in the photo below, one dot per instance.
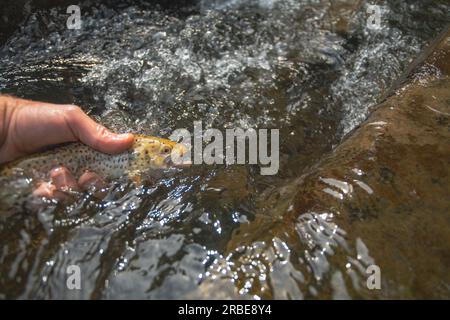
(179, 163)
(179, 157)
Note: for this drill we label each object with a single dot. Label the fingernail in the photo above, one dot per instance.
(122, 136)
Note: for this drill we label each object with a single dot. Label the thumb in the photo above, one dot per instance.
(95, 135)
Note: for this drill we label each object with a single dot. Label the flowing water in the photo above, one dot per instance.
(311, 68)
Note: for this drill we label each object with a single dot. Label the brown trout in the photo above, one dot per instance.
(148, 155)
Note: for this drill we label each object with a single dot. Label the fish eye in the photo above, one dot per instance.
(166, 150)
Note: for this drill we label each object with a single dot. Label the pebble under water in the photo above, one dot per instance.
(309, 68)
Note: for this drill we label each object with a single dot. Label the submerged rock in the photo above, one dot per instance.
(381, 198)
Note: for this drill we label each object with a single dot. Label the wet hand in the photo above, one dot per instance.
(28, 126)
(63, 182)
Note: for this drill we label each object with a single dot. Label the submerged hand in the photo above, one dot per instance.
(28, 126)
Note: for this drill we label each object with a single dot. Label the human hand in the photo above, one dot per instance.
(28, 126)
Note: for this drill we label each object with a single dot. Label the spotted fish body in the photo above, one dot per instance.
(146, 155)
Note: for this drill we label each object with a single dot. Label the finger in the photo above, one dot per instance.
(63, 180)
(45, 190)
(97, 136)
(48, 190)
(91, 180)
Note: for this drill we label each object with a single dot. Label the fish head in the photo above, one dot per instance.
(158, 153)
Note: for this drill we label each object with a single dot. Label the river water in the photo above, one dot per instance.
(312, 69)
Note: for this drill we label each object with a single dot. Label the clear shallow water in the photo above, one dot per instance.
(293, 65)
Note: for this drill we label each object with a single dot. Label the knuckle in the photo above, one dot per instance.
(73, 110)
(98, 139)
(102, 131)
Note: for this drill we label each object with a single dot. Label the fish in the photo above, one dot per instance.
(147, 156)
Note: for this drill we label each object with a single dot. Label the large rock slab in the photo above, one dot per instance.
(380, 198)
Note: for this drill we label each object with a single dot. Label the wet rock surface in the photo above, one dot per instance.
(392, 174)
